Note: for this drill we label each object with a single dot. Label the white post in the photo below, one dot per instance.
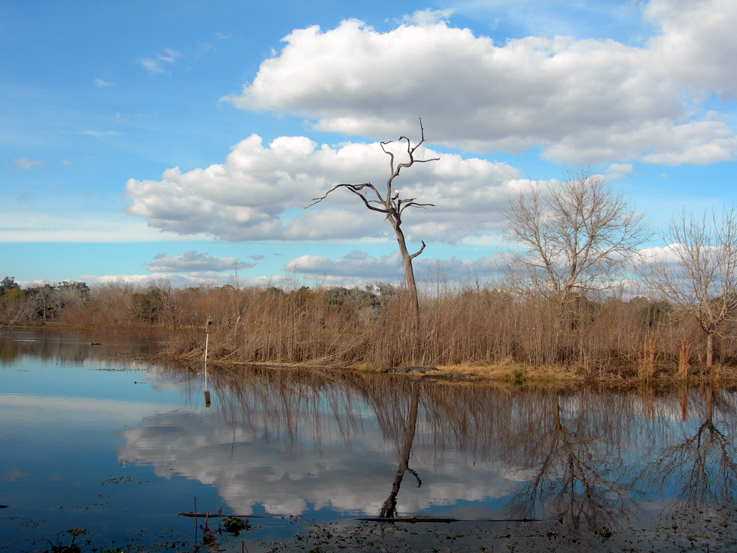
(208, 327)
(207, 340)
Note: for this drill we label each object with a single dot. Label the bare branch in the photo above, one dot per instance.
(356, 189)
(419, 251)
(411, 203)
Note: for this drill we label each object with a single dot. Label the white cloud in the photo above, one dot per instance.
(696, 44)
(667, 254)
(151, 65)
(24, 165)
(618, 170)
(357, 266)
(169, 55)
(259, 194)
(358, 269)
(101, 83)
(179, 280)
(31, 226)
(191, 261)
(190, 268)
(581, 101)
(428, 17)
(156, 65)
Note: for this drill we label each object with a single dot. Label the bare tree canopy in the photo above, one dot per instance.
(702, 277)
(393, 208)
(578, 235)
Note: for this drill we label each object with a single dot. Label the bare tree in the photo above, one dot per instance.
(578, 235)
(703, 279)
(392, 207)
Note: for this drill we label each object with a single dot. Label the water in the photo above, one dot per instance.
(91, 437)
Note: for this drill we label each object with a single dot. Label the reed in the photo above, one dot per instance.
(464, 325)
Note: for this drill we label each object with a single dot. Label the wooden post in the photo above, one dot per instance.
(208, 328)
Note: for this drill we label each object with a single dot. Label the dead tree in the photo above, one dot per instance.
(393, 207)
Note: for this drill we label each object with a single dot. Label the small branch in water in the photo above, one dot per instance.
(436, 519)
(208, 514)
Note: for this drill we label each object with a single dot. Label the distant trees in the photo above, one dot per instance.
(577, 237)
(702, 276)
(390, 205)
(13, 306)
(8, 284)
(50, 299)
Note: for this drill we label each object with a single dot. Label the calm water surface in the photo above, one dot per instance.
(91, 437)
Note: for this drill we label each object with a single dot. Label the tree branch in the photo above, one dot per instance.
(356, 189)
(419, 252)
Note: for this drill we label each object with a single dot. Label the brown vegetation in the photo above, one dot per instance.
(484, 331)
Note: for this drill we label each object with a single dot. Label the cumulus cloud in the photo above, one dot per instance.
(192, 261)
(359, 268)
(355, 269)
(696, 43)
(190, 268)
(259, 193)
(581, 101)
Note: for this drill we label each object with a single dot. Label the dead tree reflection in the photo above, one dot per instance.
(389, 508)
(702, 467)
(573, 454)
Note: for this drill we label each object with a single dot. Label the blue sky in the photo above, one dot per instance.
(148, 140)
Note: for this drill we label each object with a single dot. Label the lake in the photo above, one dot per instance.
(96, 437)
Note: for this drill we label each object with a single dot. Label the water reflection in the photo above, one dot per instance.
(308, 440)
(699, 463)
(571, 451)
(341, 444)
(389, 508)
(70, 347)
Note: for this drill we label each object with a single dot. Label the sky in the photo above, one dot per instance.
(184, 140)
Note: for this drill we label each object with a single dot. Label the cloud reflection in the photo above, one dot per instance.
(251, 469)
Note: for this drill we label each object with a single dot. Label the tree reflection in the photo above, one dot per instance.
(571, 448)
(389, 509)
(73, 348)
(701, 466)
(573, 455)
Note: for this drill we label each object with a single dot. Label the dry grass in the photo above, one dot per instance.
(464, 330)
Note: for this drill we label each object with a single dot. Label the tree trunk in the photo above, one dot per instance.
(409, 278)
(709, 351)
